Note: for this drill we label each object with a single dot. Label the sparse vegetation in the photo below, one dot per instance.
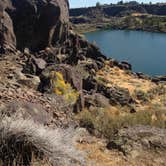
(152, 93)
(159, 90)
(141, 95)
(144, 22)
(130, 21)
(103, 123)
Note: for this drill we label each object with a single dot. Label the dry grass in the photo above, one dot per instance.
(23, 142)
(102, 122)
(98, 155)
(121, 78)
(143, 91)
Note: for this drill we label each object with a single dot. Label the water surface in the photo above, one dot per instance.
(146, 51)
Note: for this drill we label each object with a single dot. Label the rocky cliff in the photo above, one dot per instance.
(53, 82)
(119, 10)
(126, 16)
(33, 24)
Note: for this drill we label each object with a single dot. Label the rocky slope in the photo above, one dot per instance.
(53, 82)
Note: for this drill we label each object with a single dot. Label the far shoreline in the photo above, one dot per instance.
(87, 28)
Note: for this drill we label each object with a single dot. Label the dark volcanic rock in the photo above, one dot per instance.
(80, 20)
(116, 95)
(42, 27)
(36, 24)
(90, 84)
(139, 139)
(96, 100)
(70, 75)
(82, 49)
(34, 65)
(142, 76)
(125, 65)
(159, 79)
(7, 36)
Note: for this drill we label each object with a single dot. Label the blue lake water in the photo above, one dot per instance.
(146, 51)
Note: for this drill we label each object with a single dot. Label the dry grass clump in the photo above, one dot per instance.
(25, 143)
(102, 123)
(156, 92)
(141, 96)
(60, 87)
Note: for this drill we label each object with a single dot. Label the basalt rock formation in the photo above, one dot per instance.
(140, 141)
(118, 10)
(33, 24)
(131, 16)
(36, 25)
(40, 31)
(7, 36)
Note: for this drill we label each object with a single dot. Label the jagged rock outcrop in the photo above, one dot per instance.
(70, 75)
(40, 31)
(116, 95)
(7, 36)
(41, 27)
(159, 79)
(36, 24)
(138, 139)
(96, 100)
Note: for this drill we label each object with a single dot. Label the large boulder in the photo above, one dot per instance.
(96, 100)
(116, 95)
(36, 24)
(7, 36)
(70, 76)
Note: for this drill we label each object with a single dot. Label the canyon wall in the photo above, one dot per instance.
(118, 10)
(33, 24)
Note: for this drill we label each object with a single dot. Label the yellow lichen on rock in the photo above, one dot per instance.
(61, 87)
